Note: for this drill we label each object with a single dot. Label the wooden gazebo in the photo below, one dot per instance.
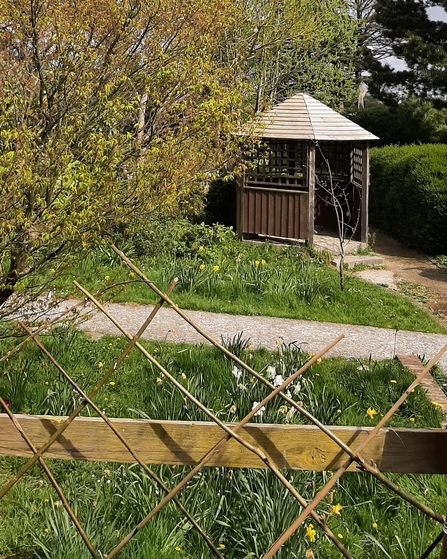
(304, 149)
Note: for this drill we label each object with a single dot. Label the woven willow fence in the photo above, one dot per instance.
(248, 452)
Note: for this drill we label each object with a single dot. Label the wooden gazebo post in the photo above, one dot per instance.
(365, 194)
(311, 196)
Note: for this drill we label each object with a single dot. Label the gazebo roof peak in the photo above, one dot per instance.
(302, 117)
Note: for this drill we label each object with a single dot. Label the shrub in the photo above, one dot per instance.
(220, 206)
(408, 196)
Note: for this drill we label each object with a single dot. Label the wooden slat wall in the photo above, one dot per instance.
(297, 447)
(274, 213)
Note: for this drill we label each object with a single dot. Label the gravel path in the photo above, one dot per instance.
(359, 341)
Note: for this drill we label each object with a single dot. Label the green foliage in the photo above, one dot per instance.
(418, 39)
(282, 48)
(409, 195)
(218, 273)
(107, 111)
(411, 121)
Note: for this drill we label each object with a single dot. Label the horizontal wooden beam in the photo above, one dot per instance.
(296, 447)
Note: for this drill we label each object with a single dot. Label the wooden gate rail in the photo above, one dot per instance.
(230, 433)
(293, 447)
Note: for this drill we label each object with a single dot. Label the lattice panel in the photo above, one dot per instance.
(336, 160)
(357, 165)
(279, 164)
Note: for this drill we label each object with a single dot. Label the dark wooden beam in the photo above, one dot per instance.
(311, 188)
(365, 194)
(298, 447)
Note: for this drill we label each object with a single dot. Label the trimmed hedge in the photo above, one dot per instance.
(408, 195)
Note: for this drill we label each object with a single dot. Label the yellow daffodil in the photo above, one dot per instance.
(202, 267)
(47, 531)
(216, 269)
(338, 411)
(183, 376)
(340, 536)
(412, 419)
(132, 275)
(438, 405)
(52, 271)
(100, 365)
(374, 525)
(257, 263)
(112, 383)
(393, 381)
(263, 262)
(177, 548)
(222, 546)
(200, 248)
(318, 361)
(107, 278)
(336, 509)
(371, 413)
(310, 533)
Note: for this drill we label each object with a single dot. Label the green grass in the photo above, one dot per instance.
(244, 510)
(217, 273)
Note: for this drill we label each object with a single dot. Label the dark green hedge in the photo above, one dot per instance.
(408, 195)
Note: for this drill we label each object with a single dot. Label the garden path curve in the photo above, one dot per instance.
(268, 332)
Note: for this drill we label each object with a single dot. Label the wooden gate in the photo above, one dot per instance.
(348, 447)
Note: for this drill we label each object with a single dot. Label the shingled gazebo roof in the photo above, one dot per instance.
(304, 118)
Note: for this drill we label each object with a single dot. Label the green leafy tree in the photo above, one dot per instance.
(371, 43)
(281, 47)
(418, 41)
(107, 109)
(411, 121)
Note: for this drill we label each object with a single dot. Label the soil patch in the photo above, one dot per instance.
(412, 269)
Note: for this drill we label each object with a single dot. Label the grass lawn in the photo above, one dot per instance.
(218, 273)
(243, 511)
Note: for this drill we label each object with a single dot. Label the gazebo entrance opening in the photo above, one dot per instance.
(338, 194)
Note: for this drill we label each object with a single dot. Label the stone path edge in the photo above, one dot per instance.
(268, 332)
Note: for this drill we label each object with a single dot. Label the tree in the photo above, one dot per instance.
(412, 121)
(106, 108)
(282, 47)
(418, 41)
(118, 108)
(371, 44)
